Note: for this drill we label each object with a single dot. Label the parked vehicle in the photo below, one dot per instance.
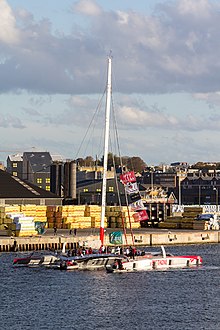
(205, 216)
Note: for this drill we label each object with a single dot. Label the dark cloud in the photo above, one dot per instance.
(170, 51)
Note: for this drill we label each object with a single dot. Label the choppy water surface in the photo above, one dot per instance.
(51, 299)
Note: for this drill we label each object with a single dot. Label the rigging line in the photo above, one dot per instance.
(116, 132)
(119, 199)
(90, 141)
(90, 124)
(126, 196)
(129, 217)
(122, 214)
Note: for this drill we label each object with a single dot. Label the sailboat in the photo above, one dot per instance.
(98, 261)
(112, 262)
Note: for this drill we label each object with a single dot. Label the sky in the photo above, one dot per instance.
(165, 86)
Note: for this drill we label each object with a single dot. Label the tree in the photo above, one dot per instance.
(89, 161)
(135, 163)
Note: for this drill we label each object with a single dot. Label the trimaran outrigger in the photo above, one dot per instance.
(111, 262)
(151, 261)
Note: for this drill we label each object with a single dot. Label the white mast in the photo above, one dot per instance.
(106, 144)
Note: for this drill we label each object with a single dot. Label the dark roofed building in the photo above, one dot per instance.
(36, 168)
(15, 165)
(201, 190)
(16, 191)
(89, 192)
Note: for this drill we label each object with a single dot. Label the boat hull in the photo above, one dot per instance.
(90, 262)
(147, 263)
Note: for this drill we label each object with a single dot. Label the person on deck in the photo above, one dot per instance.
(55, 230)
(118, 250)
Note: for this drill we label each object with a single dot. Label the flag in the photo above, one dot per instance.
(131, 188)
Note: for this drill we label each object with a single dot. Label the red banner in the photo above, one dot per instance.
(128, 177)
(131, 188)
(140, 216)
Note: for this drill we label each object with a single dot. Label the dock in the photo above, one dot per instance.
(147, 237)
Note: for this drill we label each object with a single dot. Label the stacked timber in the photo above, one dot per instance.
(189, 215)
(5, 221)
(39, 212)
(119, 217)
(73, 217)
(94, 211)
(171, 223)
(113, 214)
(201, 225)
(51, 216)
(59, 218)
(186, 220)
(21, 225)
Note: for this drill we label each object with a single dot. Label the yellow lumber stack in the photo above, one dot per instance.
(74, 217)
(5, 219)
(39, 212)
(8, 209)
(190, 213)
(28, 210)
(195, 209)
(169, 225)
(51, 215)
(127, 215)
(201, 225)
(117, 216)
(186, 221)
(73, 210)
(94, 211)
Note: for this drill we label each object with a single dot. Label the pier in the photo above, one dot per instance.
(148, 237)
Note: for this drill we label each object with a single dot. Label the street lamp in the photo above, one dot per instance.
(152, 181)
(216, 197)
(179, 186)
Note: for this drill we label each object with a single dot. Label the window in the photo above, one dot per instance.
(85, 189)
(14, 165)
(39, 180)
(14, 173)
(98, 189)
(47, 180)
(111, 189)
(48, 188)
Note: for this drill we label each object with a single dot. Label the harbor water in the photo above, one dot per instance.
(38, 298)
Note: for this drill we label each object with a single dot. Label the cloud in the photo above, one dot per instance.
(40, 100)
(7, 121)
(144, 118)
(199, 8)
(9, 34)
(167, 52)
(136, 117)
(80, 111)
(212, 99)
(31, 112)
(87, 7)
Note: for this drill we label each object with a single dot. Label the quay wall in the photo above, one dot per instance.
(8, 244)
